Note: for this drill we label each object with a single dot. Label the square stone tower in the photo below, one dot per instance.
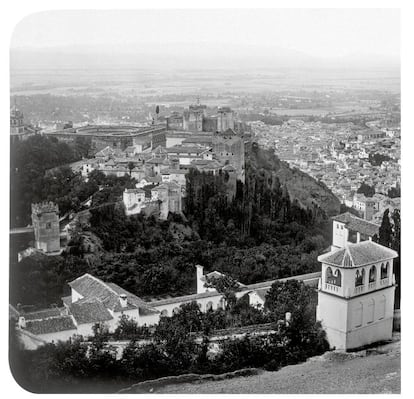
(356, 294)
(228, 148)
(45, 219)
(225, 119)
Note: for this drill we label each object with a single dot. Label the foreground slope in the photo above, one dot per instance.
(377, 370)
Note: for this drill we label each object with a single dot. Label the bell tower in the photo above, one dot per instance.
(356, 294)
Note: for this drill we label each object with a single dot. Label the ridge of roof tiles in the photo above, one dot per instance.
(359, 254)
(108, 293)
(50, 325)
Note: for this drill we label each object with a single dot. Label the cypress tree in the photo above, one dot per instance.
(385, 231)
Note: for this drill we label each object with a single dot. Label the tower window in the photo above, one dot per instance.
(48, 225)
(359, 277)
(372, 274)
(333, 278)
(384, 270)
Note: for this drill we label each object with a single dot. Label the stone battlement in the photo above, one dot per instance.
(45, 207)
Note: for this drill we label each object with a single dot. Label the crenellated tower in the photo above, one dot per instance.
(45, 219)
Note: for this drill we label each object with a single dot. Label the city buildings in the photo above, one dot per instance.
(338, 155)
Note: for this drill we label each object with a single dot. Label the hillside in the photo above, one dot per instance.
(377, 370)
(300, 186)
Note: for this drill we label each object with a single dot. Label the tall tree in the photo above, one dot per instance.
(385, 230)
(291, 296)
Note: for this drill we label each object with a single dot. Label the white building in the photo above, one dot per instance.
(356, 290)
(348, 228)
(93, 301)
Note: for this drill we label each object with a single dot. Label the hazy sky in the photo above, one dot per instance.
(318, 32)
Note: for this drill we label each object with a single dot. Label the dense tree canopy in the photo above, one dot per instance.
(292, 296)
(377, 159)
(29, 182)
(366, 189)
(250, 232)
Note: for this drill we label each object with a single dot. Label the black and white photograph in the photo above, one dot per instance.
(204, 201)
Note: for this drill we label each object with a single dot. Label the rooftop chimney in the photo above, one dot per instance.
(123, 300)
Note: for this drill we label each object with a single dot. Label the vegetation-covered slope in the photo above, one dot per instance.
(262, 233)
(300, 185)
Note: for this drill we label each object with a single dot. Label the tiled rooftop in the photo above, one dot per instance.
(43, 314)
(356, 255)
(355, 223)
(244, 288)
(107, 293)
(89, 311)
(50, 325)
(133, 299)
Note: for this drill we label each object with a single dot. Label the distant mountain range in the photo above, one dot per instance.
(188, 56)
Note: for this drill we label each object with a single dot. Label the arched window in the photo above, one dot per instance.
(338, 278)
(209, 306)
(328, 275)
(164, 313)
(359, 277)
(384, 270)
(372, 274)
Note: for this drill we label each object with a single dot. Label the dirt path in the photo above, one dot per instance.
(373, 371)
